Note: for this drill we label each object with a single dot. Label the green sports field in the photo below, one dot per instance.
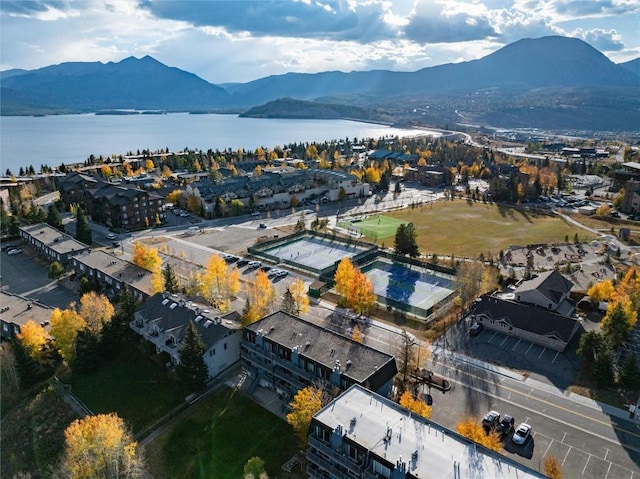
(374, 227)
(467, 229)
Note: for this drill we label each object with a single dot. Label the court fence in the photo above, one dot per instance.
(260, 250)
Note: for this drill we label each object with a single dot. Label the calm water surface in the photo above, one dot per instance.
(53, 140)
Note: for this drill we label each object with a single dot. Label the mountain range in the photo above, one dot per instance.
(550, 82)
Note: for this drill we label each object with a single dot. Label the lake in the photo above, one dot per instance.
(53, 140)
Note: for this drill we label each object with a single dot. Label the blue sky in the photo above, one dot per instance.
(239, 41)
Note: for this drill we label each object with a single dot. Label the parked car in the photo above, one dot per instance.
(262, 226)
(506, 424)
(254, 264)
(265, 268)
(282, 273)
(14, 251)
(255, 214)
(491, 421)
(522, 434)
(475, 329)
(242, 262)
(8, 247)
(111, 236)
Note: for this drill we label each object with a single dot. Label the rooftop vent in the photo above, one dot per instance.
(208, 323)
(173, 305)
(165, 301)
(198, 319)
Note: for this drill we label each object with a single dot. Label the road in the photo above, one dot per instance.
(588, 441)
(591, 441)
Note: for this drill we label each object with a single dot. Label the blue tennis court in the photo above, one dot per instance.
(409, 288)
(315, 252)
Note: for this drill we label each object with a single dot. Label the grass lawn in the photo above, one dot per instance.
(467, 229)
(218, 436)
(376, 227)
(132, 385)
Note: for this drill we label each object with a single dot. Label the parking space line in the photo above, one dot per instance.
(527, 351)
(506, 338)
(608, 469)
(542, 352)
(555, 357)
(586, 464)
(494, 335)
(565, 456)
(514, 348)
(547, 449)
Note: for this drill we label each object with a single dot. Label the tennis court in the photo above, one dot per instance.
(315, 252)
(374, 227)
(407, 288)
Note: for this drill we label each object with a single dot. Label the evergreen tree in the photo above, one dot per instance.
(54, 219)
(289, 303)
(170, 279)
(26, 366)
(385, 181)
(83, 232)
(14, 225)
(405, 241)
(192, 368)
(398, 243)
(88, 351)
(117, 332)
(615, 325)
(603, 371)
(630, 373)
(217, 208)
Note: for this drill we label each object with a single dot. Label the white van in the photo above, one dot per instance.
(193, 229)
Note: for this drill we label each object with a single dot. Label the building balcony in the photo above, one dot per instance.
(327, 466)
(336, 457)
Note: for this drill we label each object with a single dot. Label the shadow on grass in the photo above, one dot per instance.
(131, 384)
(220, 435)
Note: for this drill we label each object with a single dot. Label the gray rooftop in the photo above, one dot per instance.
(55, 239)
(325, 347)
(118, 269)
(22, 309)
(439, 450)
(172, 313)
(551, 284)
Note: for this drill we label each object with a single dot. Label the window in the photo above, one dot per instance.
(212, 352)
(225, 346)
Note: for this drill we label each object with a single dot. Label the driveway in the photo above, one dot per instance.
(26, 274)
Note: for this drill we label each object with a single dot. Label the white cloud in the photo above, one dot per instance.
(603, 40)
(321, 35)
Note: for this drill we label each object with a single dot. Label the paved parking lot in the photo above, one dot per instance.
(26, 274)
(544, 364)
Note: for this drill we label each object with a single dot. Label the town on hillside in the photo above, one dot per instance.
(399, 308)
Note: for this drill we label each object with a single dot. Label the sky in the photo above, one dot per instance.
(238, 41)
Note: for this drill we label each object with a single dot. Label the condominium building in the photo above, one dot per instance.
(361, 434)
(286, 353)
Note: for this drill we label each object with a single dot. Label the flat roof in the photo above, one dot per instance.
(439, 450)
(55, 239)
(323, 346)
(21, 309)
(118, 269)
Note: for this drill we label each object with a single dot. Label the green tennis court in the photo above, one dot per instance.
(375, 227)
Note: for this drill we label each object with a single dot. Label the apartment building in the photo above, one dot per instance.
(286, 353)
(361, 434)
(163, 320)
